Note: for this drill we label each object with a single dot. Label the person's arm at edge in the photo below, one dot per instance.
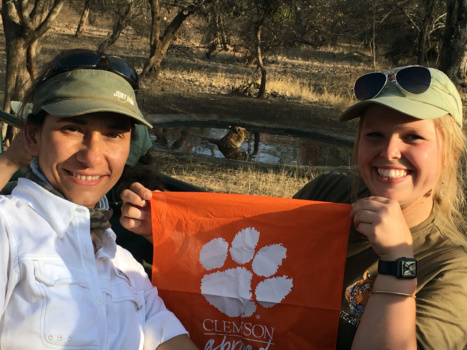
(180, 342)
(389, 320)
(13, 159)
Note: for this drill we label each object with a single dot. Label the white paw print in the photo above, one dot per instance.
(230, 290)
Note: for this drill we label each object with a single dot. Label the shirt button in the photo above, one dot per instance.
(60, 338)
(99, 301)
(50, 336)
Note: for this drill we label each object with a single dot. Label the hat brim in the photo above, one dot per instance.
(76, 107)
(415, 109)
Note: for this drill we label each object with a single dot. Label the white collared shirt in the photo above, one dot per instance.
(56, 293)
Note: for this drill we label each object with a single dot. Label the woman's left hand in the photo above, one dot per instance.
(381, 220)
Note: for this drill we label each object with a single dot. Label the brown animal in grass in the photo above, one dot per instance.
(234, 138)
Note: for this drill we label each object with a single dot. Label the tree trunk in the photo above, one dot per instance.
(159, 45)
(22, 31)
(454, 41)
(421, 49)
(259, 58)
(216, 34)
(16, 77)
(373, 37)
(223, 37)
(84, 17)
(122, 21)
(424, 33)
(31, 60)
(15, 69)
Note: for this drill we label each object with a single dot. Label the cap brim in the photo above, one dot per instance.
(75, 107)
(415, 109)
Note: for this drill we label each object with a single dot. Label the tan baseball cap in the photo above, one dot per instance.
(82, 91)
(440, 99)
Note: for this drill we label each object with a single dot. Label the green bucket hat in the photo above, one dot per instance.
(440, 99)
(82, 91)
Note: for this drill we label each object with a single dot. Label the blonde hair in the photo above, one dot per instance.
(448, 192)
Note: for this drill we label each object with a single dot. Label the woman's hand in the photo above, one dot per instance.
(17, 152)
(381, 220)
(15, 157)
(136, 210)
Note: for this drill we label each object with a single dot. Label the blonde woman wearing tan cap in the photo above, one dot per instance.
(405, 284)
(65, 283)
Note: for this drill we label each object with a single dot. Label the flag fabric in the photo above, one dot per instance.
(251, 272)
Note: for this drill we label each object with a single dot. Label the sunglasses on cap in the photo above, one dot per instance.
(89, 59)
(412, 79)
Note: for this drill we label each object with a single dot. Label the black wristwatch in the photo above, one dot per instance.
(401, 268)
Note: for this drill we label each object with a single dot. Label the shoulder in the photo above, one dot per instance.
(439, 245)
(13, 206)
(453, 239)
(442, 284)
(331, 187)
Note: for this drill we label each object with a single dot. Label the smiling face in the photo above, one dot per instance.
(400, 157)
(84, 156)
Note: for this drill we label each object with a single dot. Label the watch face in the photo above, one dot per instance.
(409, 268)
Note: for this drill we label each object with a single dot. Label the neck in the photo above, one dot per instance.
(416, 213)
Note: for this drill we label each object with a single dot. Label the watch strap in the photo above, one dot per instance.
(401, 268)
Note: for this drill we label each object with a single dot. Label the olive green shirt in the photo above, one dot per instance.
(441, 251)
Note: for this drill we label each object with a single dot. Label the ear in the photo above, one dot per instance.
(31, 138)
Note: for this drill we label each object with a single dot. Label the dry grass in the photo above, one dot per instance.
(283, 85)
(301, 89)
(242, 178)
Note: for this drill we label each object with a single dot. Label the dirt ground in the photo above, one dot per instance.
(172, 96)
(238, 110)
(180, 95)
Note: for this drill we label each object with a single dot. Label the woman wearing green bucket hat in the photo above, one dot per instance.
(405, 284)
(64, 281)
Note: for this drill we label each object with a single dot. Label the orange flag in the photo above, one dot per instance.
(251, 272)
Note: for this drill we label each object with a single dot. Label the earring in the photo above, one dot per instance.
(441, 190)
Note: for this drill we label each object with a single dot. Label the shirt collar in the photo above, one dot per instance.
(59, 212)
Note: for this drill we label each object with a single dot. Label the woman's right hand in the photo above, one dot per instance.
(136, 210)
(17, 153)
(381, 220)
(15, 157)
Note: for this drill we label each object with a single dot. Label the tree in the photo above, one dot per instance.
(262, 25)
(123, 12)
(24, 24)
(454, 41)
(263, 10)
(216, 35)
(159, 43)
(426, 18)
(84, 17)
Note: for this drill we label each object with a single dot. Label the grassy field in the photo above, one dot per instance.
(307, 88)
(235, 177)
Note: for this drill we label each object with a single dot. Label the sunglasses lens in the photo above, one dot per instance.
(415, 80)
(369, 85)
(77, 58)
(82, 58)
(119, 66)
